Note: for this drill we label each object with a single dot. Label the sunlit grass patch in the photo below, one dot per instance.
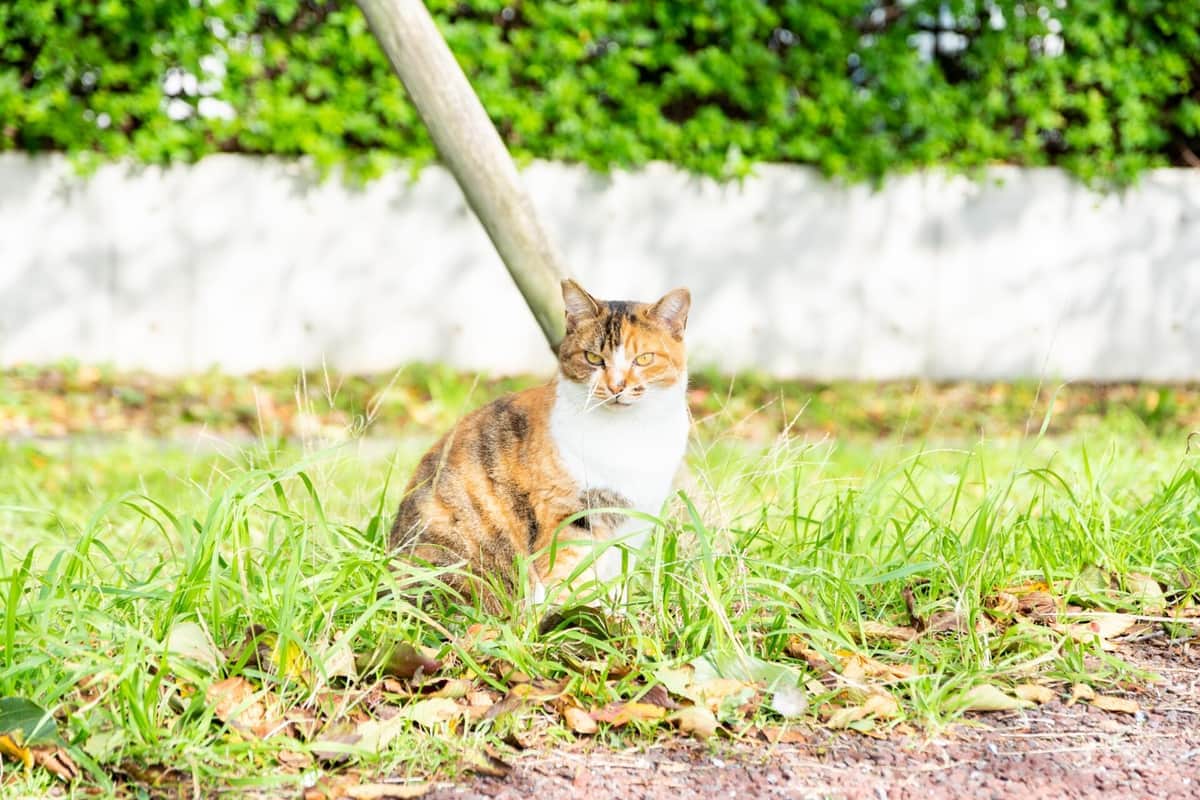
(229, 616)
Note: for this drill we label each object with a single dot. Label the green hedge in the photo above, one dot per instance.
(1105, 88)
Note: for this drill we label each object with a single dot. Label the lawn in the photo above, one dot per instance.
(195, 583)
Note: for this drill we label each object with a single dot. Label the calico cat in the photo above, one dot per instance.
(609, 432)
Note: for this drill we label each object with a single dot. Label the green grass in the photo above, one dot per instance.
(109, 546)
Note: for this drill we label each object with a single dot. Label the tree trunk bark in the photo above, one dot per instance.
(473, 151)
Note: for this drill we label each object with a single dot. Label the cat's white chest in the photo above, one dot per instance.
(633, 451)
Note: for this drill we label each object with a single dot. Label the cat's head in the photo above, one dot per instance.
(624, 352)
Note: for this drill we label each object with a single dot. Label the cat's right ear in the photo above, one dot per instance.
(580, 305)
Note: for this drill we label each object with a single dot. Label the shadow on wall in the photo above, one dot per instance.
(249, 263)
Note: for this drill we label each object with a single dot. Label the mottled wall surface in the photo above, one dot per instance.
(246, 263)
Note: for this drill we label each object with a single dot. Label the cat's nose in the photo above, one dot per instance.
(615, 385)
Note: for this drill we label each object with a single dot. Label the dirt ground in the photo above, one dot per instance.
(1054, 750)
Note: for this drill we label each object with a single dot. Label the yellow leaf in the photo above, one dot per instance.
(858, 668)
(1080, 691)
(11, 746)
(877, 705)
(844, 716)
(579, 720)
(697, 721)
(712, 692)
(882, 705)
(1122, 705)
(1034, 693)
(454, 689)
(986, 697)
(434, 711)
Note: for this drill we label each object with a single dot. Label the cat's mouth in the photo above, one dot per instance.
(614, 401)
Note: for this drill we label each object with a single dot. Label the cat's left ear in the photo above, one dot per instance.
(580, 305)
(672, 310)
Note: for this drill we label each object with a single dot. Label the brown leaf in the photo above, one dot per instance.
(1080, 691)
(878, 705)
(858, 668)
(782, 734)
(1038, 606)
(1121, 705)
(1034, 693)
(657, 695)
(620, 714)
(486, 762)
(1100, 627)
(524, 694)
(798, 648)
(56, 761)
(953, 622)
(406, 661)
(293, 758)
(235, 704)
(386, 791)
(1001, 604)
(872, 631)
(697, 721)
(579, 720)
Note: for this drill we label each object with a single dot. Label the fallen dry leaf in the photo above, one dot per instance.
(386, 791)
(858, 668)
(579, 720)
(872, 631)
(293, 758)
(1034, 693)
(986, 697)
(1145, 593)
(486, 762)
(55, 760)
(1122, 705)
(798, 648)
(953, 622)
(453, 688)
(696, 721)
(712, 693)
(1080, 691)
(1099, 627)
(1002, 604)
(877, 705)
(235, 703)
(405, 661)
(782, 734)
(433, 712)
(657, 695)
(620, 714)
(1038, 606)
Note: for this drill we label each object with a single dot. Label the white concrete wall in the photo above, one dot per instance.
(248, 263)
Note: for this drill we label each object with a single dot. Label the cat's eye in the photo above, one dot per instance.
(644, 359)
(594, 359)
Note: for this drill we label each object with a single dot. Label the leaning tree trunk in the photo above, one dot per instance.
(471, 148)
